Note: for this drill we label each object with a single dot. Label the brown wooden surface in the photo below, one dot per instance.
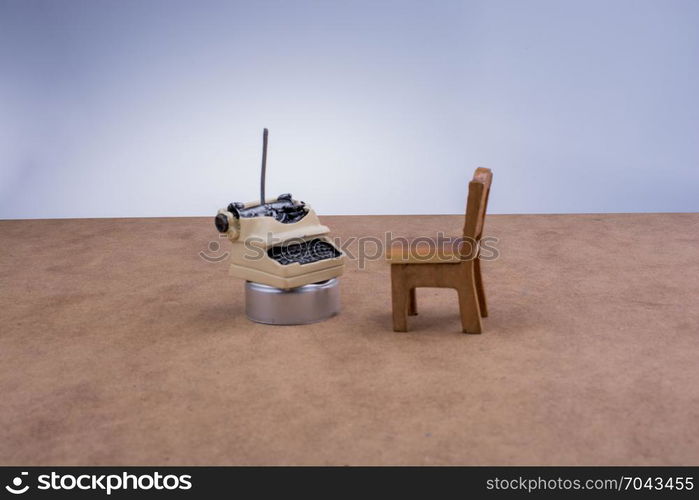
(120, 345)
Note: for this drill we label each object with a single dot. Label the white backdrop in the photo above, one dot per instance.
(156, 108)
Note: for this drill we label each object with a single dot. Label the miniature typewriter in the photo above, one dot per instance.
(278, 242)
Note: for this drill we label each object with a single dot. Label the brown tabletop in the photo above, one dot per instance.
(120, 344)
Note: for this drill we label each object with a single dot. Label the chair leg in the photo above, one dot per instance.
(412, 305)
(400, 298)
(479, 288)
(468, 303)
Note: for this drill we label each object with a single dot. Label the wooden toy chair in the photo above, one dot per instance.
(452, 266)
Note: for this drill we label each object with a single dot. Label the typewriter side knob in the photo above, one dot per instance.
(221, 223)
(226, 223)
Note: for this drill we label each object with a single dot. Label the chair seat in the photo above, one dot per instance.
(425, 251)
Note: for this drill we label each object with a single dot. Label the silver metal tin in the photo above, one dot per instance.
(295, 306)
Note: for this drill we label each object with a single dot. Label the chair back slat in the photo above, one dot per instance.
(476, 206)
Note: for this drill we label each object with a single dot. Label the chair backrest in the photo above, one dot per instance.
(476, 206)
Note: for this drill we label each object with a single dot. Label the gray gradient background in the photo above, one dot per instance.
(155, 107)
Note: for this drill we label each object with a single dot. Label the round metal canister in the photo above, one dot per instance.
(295, 306)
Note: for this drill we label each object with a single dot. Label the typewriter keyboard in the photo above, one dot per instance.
(303, 252)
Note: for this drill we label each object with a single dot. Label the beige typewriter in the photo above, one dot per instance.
(278, 242)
